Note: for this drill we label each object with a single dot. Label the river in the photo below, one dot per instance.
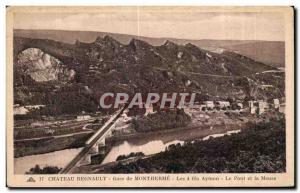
(152, 147)
(146, 145)
(56, 158)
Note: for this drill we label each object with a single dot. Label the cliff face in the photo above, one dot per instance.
(43, 67)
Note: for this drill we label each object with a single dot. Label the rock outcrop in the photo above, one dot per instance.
(43, 67)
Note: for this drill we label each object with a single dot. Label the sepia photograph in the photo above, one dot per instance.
(150, 96)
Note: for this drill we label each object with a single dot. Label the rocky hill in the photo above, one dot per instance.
(86, 70)
(269, 52)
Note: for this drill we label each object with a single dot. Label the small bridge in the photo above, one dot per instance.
(94, 144)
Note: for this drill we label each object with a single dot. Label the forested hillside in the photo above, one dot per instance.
(257, 149)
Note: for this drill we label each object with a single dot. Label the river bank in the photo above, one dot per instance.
(48, 145)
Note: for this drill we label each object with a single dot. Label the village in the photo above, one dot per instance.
(211, 113)
(201, 112)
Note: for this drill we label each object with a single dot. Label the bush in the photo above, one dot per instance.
(45, 170)
(122, 157)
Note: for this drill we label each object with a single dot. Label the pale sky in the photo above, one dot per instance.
(182, 25)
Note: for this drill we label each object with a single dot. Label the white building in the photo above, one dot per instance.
(209, 104)
(262, 106)
(32, 107)
(20, 110)
(23, 110)
(276, 103)
(258, 106)
(253, 110)
(223, 104)
(240, 105)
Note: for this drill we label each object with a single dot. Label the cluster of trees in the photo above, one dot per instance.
(257, 149)
(68, 103)
(132, 154)
(71, 99)
(45, 170)
(162, 120)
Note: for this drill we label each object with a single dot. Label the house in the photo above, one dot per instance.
(33, 107)
(20, 110)
(23, 110)
(253, 110)
(223, 104)
(257, 106)
(209, 104)
(276, 103)
(240, 105)
(262, 106)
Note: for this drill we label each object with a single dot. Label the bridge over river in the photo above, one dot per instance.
(93, 143)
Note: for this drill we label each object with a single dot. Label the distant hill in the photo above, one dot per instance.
(269, 52)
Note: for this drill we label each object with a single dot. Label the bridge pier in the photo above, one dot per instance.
(96, 153)
(96, 147)
(85, 161)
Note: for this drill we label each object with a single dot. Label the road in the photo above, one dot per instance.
(59, 124)
(202, 74)
(92, 141)
(84, 128)
(221, 76)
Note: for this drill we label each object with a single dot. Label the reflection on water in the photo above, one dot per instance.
(221, 134)
(57, 158)
(126, 148)
(149, 148)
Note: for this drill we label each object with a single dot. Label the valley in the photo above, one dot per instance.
(58, 85)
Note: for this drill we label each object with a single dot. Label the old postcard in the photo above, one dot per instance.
(150, 97)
